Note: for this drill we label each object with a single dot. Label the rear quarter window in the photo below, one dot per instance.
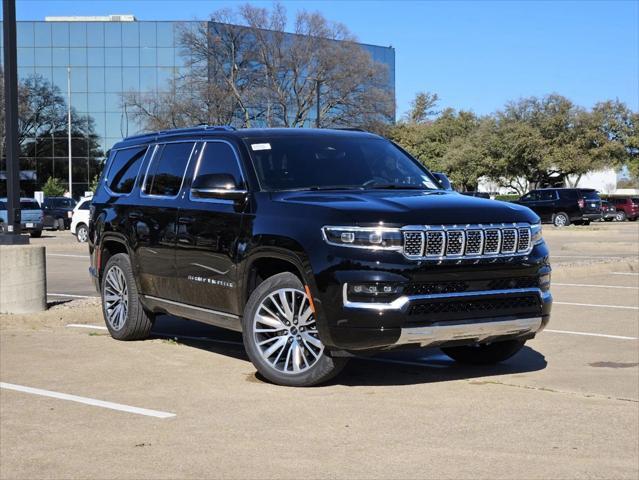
(124, 169)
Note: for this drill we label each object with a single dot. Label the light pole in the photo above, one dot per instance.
(69, 130)
(12, 228)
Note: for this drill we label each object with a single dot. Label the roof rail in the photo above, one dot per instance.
(351, 129)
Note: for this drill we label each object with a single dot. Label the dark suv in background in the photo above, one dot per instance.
(316, 245)
(58, 212)
(563, 206)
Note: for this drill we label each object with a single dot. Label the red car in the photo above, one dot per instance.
(627, 208)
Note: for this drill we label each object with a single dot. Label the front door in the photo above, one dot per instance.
(208, 236)
(155, 219)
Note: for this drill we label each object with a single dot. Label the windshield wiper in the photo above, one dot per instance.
(392, 186)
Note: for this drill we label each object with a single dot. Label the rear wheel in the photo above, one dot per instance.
(621, 216)
(561, 219)
(280, 335)
(82, 233)
(485, 354)
(124, 315)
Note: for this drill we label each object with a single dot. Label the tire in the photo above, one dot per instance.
(561, 219)
(286, 362)
(585, 223)
(634, 219)
(36, 233)
(134, 323)
(620, 216)
(82, 233)
(487, 354)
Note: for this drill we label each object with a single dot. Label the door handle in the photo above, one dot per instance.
(135, 215)
(186, 220)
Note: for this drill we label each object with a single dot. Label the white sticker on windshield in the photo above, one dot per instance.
(260, 146)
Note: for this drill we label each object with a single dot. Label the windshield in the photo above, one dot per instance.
(327, 162)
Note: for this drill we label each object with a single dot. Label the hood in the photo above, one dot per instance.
(406, 207)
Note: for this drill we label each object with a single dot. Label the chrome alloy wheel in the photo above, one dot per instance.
(560, 220)
(83, 234)
(285, 332)
(116, 298)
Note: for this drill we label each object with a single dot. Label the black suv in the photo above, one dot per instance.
(316, 245)
(58, 212)
(563, 206)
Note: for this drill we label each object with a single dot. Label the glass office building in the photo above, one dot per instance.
(103, 58)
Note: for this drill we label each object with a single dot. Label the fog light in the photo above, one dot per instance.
(373, 292)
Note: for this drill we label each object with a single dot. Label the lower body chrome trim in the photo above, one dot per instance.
(226, 320)
(401, 302)
(472, 332)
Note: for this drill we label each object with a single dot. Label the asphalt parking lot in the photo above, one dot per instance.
(187, 403)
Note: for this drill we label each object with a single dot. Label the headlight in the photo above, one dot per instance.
(374, 238)
(535, 231)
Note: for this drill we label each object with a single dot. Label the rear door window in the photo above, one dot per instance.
(166, 171)
(124, 169)
(547, 195)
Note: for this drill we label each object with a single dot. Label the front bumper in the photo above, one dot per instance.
(466, 303)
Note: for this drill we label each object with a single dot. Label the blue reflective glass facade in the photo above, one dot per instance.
(106, 59)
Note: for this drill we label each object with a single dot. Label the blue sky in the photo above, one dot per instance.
(475, 55)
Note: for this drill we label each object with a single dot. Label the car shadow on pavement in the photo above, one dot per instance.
(402, 367)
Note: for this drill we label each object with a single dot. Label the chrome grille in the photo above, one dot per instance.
(435, 242)
(471, 241)
(493, 241)
(474, 242)
(508, 240)
(455, 243)
(413, 244)
(524, 240)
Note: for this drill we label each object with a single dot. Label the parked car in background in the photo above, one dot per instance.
(31, 216)
(57, 212)
(80, 220)
(608, 211)
(627, 208)
(563, 206)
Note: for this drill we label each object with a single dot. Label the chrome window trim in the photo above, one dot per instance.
(399, 248)
(157, 146)
(137, 175)
(400, 303)
(197, 169)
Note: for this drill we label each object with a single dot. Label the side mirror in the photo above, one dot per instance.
(443, 181)
(217, 185)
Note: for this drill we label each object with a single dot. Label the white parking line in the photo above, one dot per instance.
(568, 332)
(87, 401)
(623, 307)
(589, 285)
(80, 325)
(634, 274)
(68, 295)
(66, 255)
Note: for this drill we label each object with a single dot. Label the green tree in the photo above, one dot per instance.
(422, 108)
(53, 187)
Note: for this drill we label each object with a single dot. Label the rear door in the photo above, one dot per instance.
(208, 235)
(154, 218)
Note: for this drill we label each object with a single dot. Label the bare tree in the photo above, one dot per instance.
(245, 70)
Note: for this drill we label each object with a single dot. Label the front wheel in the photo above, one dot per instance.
(280, 335)
(124, 315)
(485, 354)
(82, 233)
